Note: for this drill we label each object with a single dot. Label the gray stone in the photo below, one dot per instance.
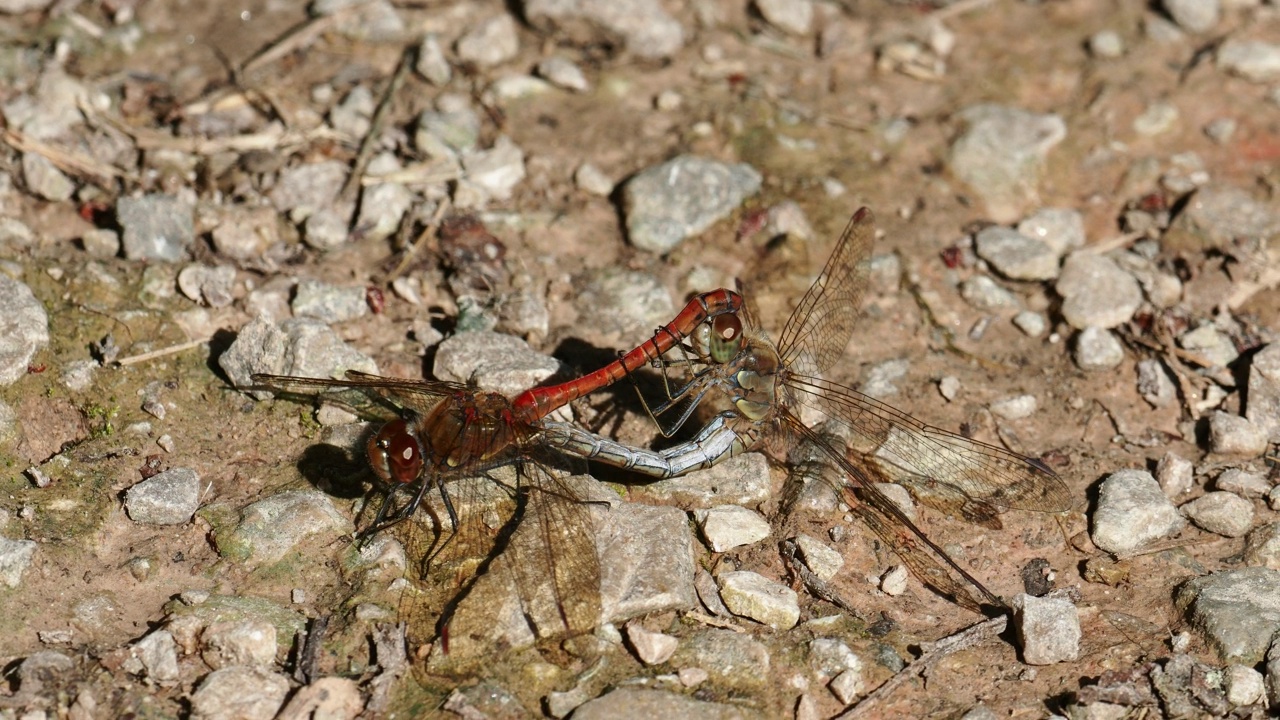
(245, 233)
(1175, 475)
(894, 581)
(239, 693)
(729, 526)
(880, 378)
(1097, 349)
(497, 170)
(1096, 292)
(847, 686)
(155, 657)
(740, 480)
(211, 285)
(515, 87)
(1032, 323)
(329, 303)
(491, 42)
(1221, 512)
(1210, 343)
(270, 528)
(625, 303)
(382, 208)
(1234, 435)
(15, 557)
(1015, 255)
(1060, 228)
(1014, 408)
(629, 702)
(496, 362)
(1262, 546)
(1158, 118)
(646, 561)
(1106, 44)
(326, 227)
(1197, 16)
(444, 133)
(984, 294)
(39, 668)
(563, 72)
(1273, 673)
(14, 234)
(431, 63)
(24, 329)
(667, 203)
(239, 642)
(298, 346)
(1238, 611)
(645, 27)
(1216, 216)
(653, 648)
(1243, 483)
(752, 595)
(1252, 60)
(821, 559)
(828, 657)
(327, 698)
(169, 498)
(1131, 512)
(156, 227)
(1154, 384)
(1244, 685)
(592, 179)
(304, 189)
(731, 659)
(1048, 629)
(949, 387)
(793, 16)
(17, 7)
(1001, 153)
(1263, 404)
(45, 179)
(352, 116)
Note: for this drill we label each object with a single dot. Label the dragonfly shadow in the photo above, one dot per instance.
(335, 471)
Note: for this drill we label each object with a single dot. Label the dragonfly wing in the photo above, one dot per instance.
(819, 329)
(978, 471)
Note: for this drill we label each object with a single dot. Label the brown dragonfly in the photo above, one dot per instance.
(767, 383)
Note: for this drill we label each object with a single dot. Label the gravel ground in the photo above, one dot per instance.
(1077, 260)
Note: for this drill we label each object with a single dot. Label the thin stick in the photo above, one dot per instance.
(963, 640)
(69, 161)
(376, 124)
(171, 350)
(426, 233)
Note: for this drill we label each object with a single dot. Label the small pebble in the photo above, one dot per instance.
(1015, 408)
(169, 498)
(491, 42)
(1175, 475)
(1032, 323)
(245, 693)
(592, 179)
(1221, 130)
(847, 686)
(821, 559)
(653, 648)
(791, 16)
(562, 72)
(729, 526)
(1224, 513)
(1262, 546)
(1210, 343)
(1017, 256)
(1048, 629)
(1096, 291)
(949, 386)
(1233, 435)
(1197, 16)
(982, 293)
(1061, 228)
(1132, 511)
(1097, 349)
(1252, 60)
(432, 63)
(1244, 685)
(1243, 483)
(1106, 44)
(1154, 383)
(894, 582)
(668, 100)
(754, 596)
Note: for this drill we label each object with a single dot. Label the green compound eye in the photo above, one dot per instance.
(726, 337)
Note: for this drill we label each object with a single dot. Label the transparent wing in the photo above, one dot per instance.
(979, 472)
(420, 395)
(819, 329)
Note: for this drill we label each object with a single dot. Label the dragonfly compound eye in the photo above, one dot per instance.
(726, 337)
(395, 453)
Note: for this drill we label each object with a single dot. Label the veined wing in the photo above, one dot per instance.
(419, 395)
(820, 327)
(981, 472)
(870, 505)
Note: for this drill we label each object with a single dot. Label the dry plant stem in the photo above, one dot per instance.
(427, 233)
(172, 349)
(963, 640)
(393, 664)
(65, 160)
(376, 124)
(814, 584)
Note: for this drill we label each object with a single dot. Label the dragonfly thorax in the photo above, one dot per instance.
(755, 382)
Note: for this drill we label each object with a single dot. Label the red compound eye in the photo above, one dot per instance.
(726, 337)
(395, 453)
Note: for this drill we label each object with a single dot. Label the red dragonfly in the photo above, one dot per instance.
(766, 383)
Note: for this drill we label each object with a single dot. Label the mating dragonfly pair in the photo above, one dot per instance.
(449, 434)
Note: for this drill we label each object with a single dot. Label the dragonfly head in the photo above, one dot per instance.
(725, 339)
(395, 453)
